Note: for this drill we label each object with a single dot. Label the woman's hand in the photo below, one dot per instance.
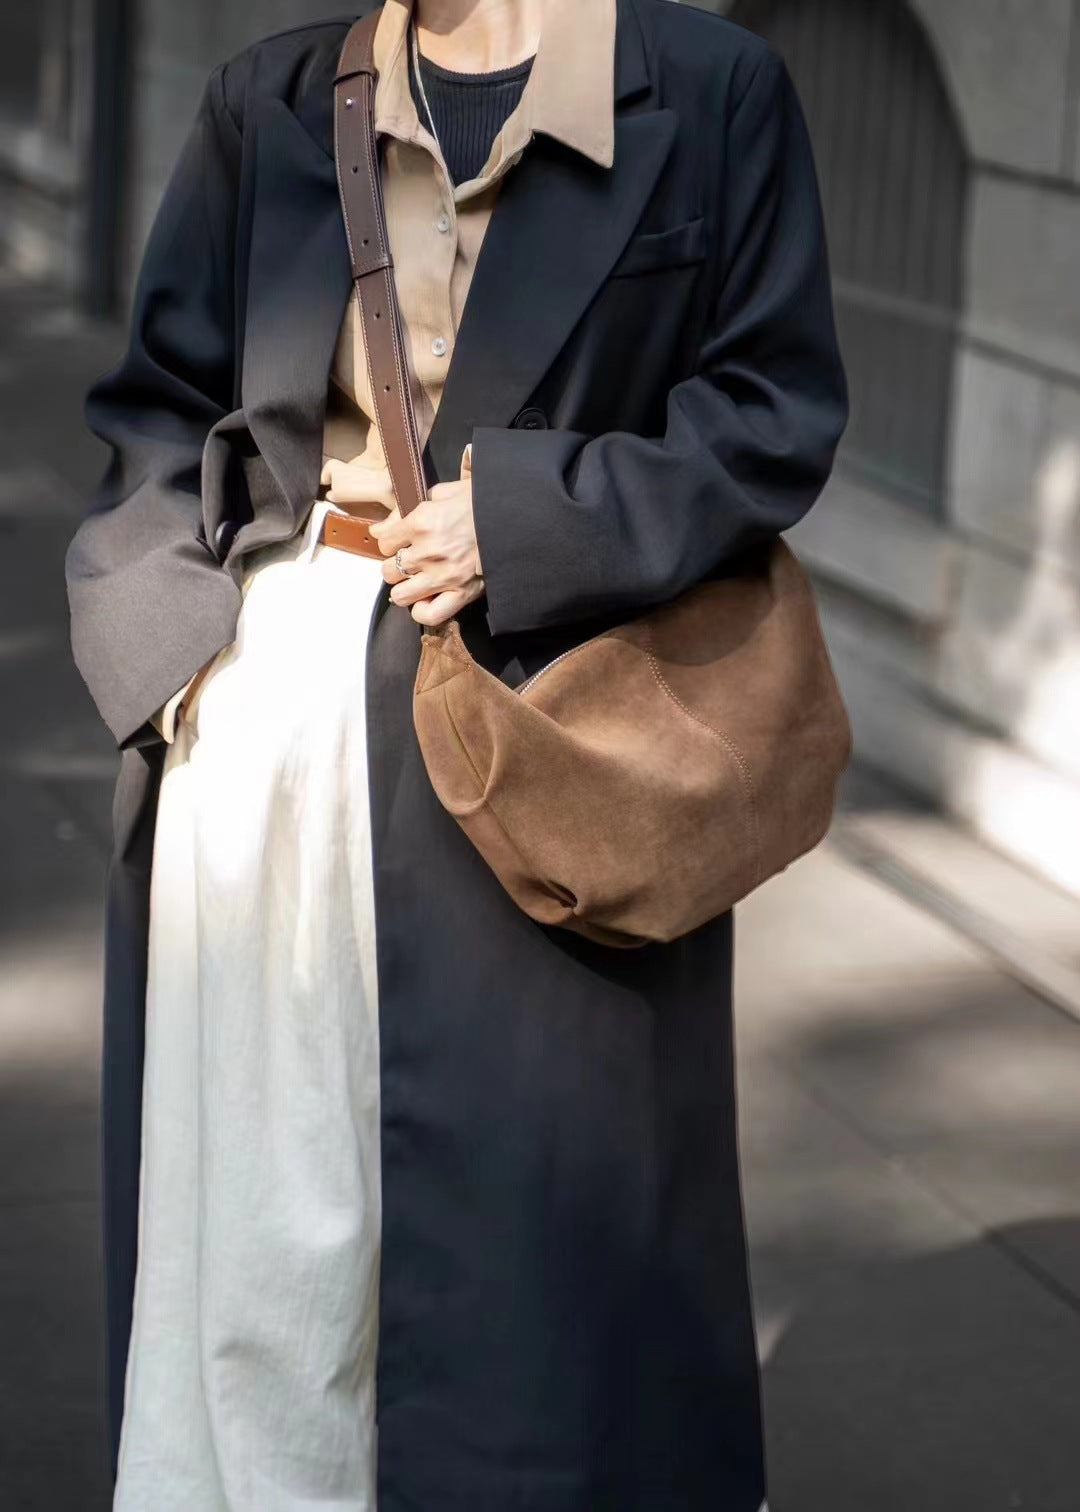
(359, 487)
(437, 541)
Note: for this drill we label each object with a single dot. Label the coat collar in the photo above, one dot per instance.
(532, 283)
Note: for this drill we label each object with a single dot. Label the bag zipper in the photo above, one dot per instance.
(527, 684)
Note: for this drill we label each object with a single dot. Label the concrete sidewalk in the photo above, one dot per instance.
(909, 1106)
(911, 1129)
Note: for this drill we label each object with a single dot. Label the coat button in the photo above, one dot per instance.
(223, 538)
(531, 419)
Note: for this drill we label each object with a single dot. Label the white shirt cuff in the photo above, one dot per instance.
(165, 718)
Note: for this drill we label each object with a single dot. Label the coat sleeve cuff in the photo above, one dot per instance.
(533, 553)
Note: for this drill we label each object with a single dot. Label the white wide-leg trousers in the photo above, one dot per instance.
(250, 1378)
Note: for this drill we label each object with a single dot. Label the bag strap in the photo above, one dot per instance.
(356, 154)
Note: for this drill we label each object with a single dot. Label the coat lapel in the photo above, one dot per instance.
(298, 284)
(557, 229)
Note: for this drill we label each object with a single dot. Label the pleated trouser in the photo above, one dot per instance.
(250, 1378)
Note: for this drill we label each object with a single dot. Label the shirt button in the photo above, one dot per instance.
(438, 346)
(443, 222)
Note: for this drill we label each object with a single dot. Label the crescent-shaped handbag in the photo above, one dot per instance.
(646, 780)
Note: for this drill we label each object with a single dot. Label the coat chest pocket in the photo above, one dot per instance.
(674, 247)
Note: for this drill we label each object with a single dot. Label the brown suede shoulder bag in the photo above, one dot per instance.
(644, 781)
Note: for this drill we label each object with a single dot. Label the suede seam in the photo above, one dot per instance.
(729, 745)
(484, 787)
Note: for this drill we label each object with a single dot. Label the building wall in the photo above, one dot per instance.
(958, 640)
(44, 107)
(178, 45)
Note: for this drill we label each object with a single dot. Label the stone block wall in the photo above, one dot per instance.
(958, 640)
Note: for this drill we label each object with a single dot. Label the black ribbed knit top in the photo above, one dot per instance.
(468, 110)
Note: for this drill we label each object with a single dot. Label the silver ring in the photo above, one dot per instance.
(399, 564)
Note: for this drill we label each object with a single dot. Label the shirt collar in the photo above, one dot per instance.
(571, 91)
(569, 95)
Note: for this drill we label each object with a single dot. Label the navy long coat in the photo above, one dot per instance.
(647, 368)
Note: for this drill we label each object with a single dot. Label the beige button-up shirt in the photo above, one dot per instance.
(436, 229)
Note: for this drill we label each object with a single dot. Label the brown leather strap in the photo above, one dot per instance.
(357, 156)
(350, 533)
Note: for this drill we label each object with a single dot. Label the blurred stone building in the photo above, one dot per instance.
(947, 548)
(95, 99)
(947, 132)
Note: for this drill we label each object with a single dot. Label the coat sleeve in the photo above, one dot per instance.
(149, 601)
(570, 526)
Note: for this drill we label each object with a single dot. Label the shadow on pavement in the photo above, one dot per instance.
(912, 1386)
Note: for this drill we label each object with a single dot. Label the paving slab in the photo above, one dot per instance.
(51, 1435)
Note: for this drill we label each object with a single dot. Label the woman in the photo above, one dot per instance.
(404, 1152)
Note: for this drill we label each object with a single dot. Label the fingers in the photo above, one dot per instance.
(414, 563)
(358, 483)
(443, 606)
(439, 570)
(453, 489)
(406, 590)
(433, 594)
(393, 532)
(422, 526)
(437, 540)
(431, 580)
